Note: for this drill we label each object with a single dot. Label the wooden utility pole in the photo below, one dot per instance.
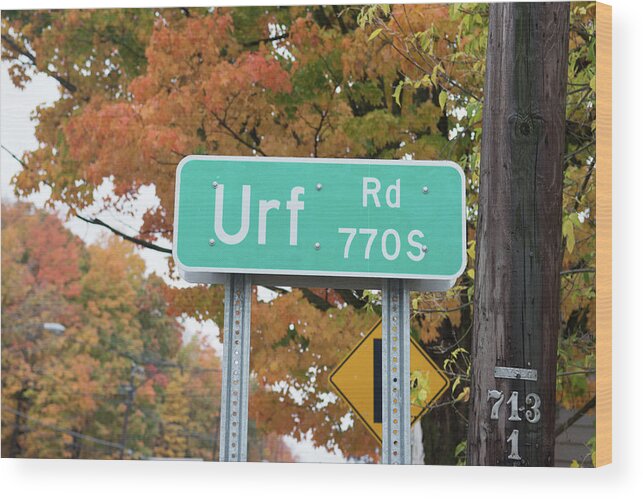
(516, 304)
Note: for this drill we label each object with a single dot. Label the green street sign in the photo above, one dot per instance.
(325, 221)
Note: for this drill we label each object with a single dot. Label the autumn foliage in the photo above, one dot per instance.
(65, 394)
(142, 88)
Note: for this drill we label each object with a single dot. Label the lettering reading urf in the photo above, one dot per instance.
(265, 205)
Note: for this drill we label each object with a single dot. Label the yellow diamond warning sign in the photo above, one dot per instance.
(358, 380)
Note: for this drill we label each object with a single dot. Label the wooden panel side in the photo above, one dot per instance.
(604, 234)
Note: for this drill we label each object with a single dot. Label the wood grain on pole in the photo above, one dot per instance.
(516, 312)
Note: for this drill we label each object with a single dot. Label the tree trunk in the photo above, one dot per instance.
(516, 304)
(442, 430)
(15, 445)
(444, 427)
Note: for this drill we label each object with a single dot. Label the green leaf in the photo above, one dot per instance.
(398, 91)
(568, 233)
(424, 41)
(471, 251)
(374, 34)
(443, 99)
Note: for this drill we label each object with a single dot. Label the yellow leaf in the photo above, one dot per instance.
(464, 395)
(443, 99)
(374, 34)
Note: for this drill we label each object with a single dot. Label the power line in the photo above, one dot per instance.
(142, 361)
(207, 439)
(73, 433)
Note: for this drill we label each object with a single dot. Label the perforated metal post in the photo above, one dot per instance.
(233, 440)
(396, 374)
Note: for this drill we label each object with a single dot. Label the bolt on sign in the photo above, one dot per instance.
(358, 380)
(329, 222)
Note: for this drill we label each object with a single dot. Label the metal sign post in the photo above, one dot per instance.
(233, 441)
(396, 373)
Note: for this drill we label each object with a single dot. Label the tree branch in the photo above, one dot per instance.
(13, 156)
(351, 296)
(587, 145)
(443, 310)
(574, 373)
(577, 271)
(338, 15)
(271, 39)
(13, 45)
(135, 240)
(567, 424)
(253, 147)
(315, 300)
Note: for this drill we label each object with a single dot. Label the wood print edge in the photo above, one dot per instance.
(604, 234)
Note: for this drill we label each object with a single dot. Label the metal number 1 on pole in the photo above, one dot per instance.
(236, 369)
